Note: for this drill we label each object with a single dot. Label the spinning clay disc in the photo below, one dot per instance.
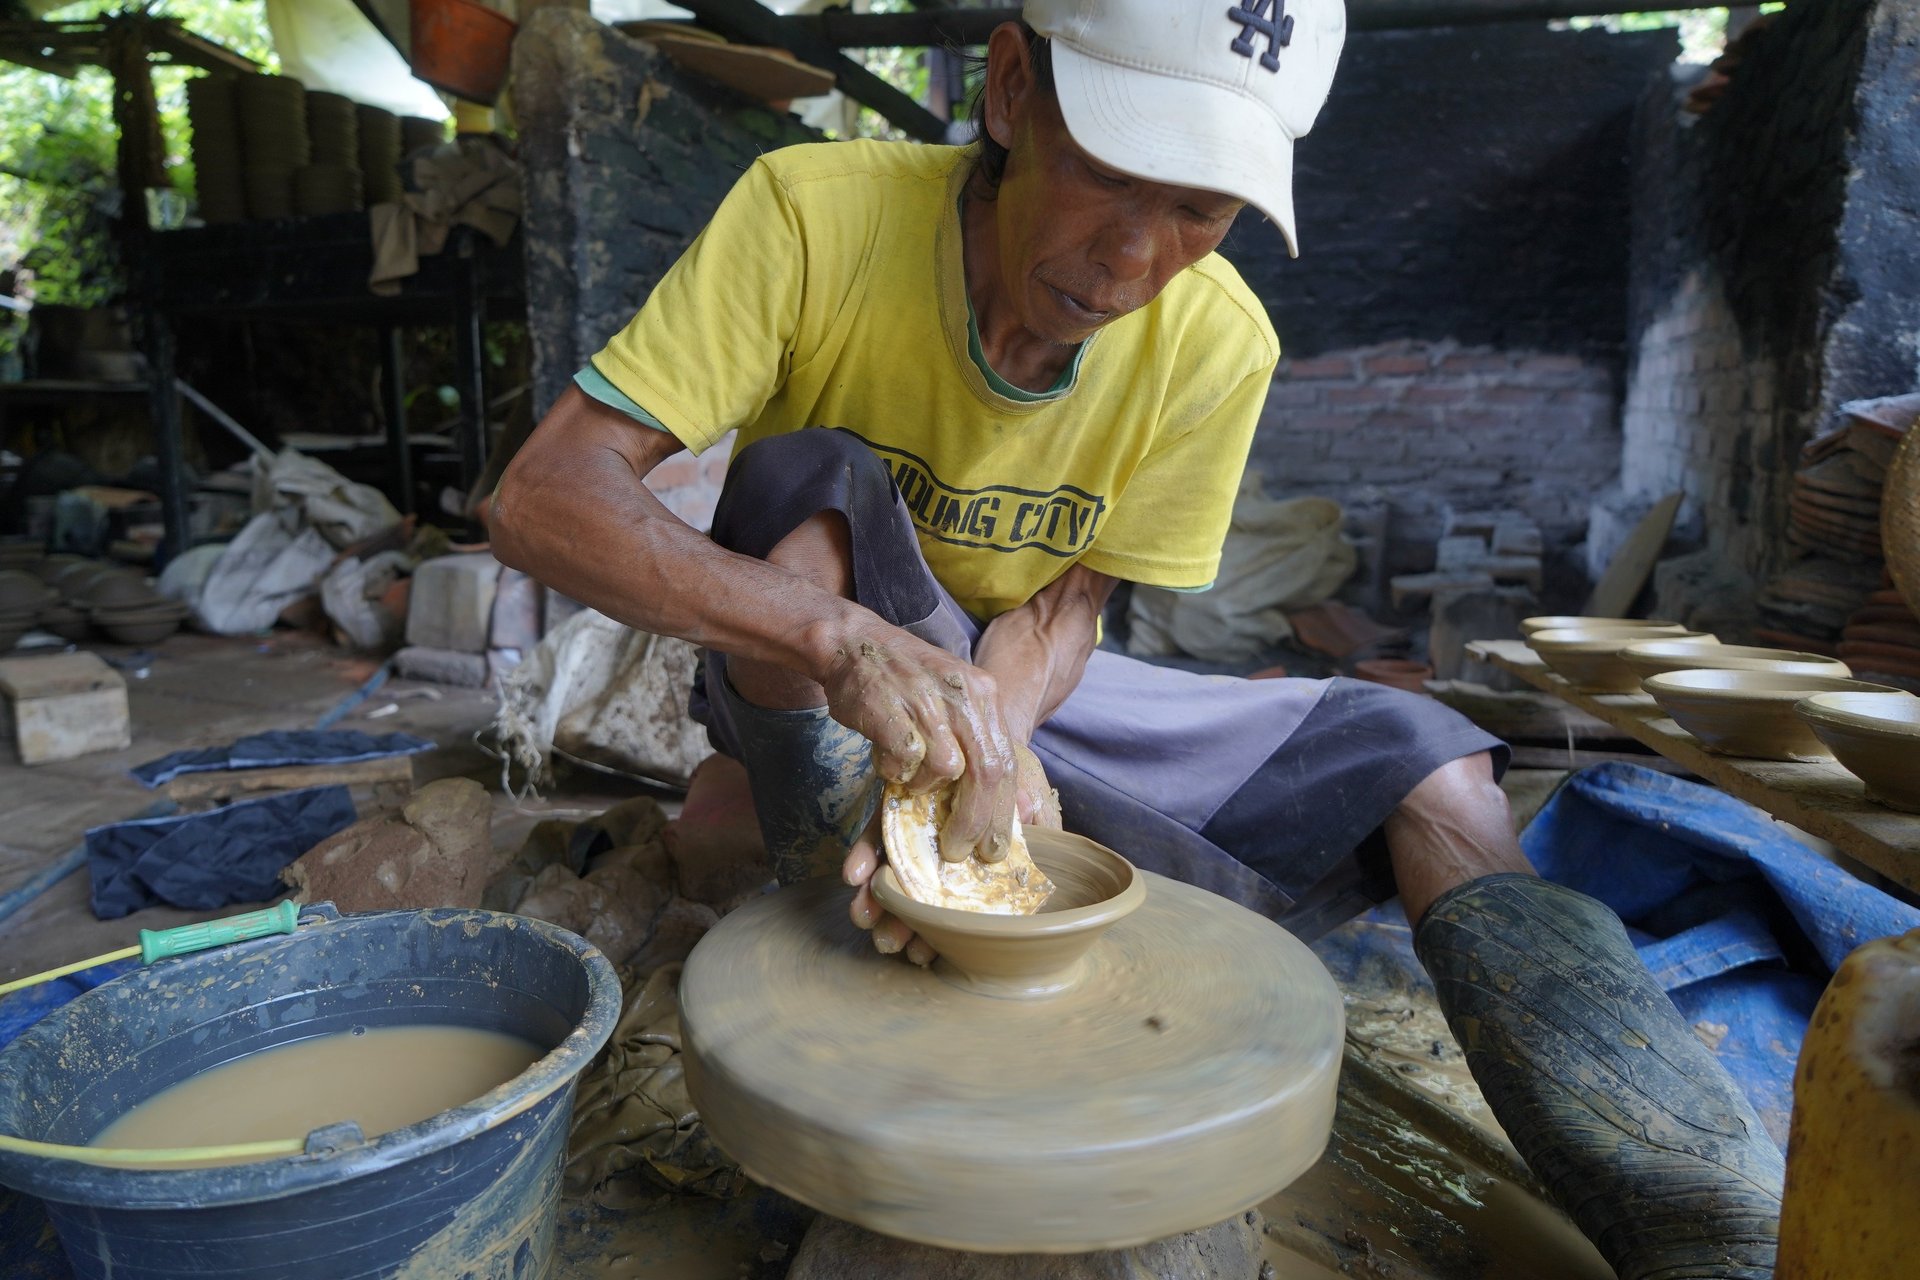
(1186, 1073)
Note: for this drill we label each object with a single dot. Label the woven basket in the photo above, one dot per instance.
(1900, 519)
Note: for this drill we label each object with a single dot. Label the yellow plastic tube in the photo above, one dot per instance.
(142, 1157)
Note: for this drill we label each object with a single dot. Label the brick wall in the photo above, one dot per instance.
(1776, 271)
(1416, 427)
(1458, 317)
(626, 158)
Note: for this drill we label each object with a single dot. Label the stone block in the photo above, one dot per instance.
(442, 666)
(519, 608)
(451, 605)
(1460, 617)
(63, 706)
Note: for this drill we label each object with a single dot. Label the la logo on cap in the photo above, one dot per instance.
(1253, 16)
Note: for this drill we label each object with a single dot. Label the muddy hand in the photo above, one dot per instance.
(890, 937)
(1038, 803)
(933, 719)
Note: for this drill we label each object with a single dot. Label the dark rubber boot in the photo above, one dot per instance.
(1628, 1119)
(813, 785)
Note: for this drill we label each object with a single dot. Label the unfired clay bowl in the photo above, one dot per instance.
(1567, 622)
(1026, 956)
(1749, 713)
(22, 592)
(1657, 657)
(141, 623)
(120, 589)
(1877, 738)
(1590, 657)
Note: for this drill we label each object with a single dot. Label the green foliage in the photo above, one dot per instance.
(1703, 32)
(58, 192)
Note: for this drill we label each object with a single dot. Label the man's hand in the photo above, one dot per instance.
(934, 720)
(1039, 806)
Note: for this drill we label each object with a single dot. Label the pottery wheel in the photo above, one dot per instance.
(1186, 1075)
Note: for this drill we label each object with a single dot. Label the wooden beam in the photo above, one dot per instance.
(749, 22)
(971, 27)
(1822, 799)
(220, 784)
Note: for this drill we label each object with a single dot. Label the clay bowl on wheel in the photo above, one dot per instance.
(141, 623)
(1093, 889)
(1749, 713)
(1657, 657)
(1876, 737)
(1569, 622)
(1590, 657)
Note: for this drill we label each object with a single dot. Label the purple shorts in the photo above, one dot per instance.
(1268, 792)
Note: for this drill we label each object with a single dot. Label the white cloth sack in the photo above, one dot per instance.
(1279, 554)
(605, 694)
(344, 512)
(276, 560)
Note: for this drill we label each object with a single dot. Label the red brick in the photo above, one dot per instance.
(1320, 367)
(1397, 422)
(1437, 395)
(1321, 421)
(1292, 394)
(1480, 419)
(1475, 364)
(1365, 397)
(1395, 366)
(713, 467)
(1514, 395)
(1552, 364)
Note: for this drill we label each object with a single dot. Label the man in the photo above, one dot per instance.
(975, 389)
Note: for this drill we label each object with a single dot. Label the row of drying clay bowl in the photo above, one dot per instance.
(1740, 700)
(72, 594)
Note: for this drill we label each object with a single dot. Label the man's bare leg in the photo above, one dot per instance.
(820, 550)
(812, 778)
(1628, 1119)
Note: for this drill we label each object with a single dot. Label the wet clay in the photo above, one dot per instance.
(1089, 889)
(1187, 1072)
(382, 1078)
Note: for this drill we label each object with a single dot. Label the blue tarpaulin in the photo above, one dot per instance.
(206, 860)
(1739, 921)
(271, 750)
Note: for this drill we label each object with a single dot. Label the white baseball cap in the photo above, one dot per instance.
(1195, 93)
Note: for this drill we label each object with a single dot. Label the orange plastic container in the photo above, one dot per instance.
(461, 46)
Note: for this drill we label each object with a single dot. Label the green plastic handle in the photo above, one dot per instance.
(158, 944)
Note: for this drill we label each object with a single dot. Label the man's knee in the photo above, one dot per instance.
(819, 550)
(769, 484)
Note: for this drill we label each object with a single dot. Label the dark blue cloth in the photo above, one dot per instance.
(1739, 921)
(270, 750)
(214, 859)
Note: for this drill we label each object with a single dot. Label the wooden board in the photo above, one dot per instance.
(1627, 572)
(221, 783)
(1821, 799)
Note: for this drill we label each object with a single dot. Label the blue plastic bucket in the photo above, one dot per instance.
(469, 1194)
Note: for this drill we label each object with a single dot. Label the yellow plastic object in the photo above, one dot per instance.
(1853, 1156)
(142, 1157)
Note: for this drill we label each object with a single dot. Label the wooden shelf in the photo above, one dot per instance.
(1821, 799)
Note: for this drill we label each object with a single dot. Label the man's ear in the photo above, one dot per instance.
(1009, 82)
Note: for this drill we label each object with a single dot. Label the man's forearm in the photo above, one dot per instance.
(573, 510)
(1038, 652)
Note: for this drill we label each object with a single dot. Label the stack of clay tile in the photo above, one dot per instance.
(331, 182)
(1882, 638)
(214, 118)
(379, 154)
(274, 141)
(1834, 525)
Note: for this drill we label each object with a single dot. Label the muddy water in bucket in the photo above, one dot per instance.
(469, 1192)
(382, 1079)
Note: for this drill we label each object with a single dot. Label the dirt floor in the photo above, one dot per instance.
(1417, 1181)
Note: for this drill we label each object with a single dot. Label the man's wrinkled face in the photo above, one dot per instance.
(1082, 244)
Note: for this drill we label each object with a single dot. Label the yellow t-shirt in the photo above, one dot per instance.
(828, 291)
